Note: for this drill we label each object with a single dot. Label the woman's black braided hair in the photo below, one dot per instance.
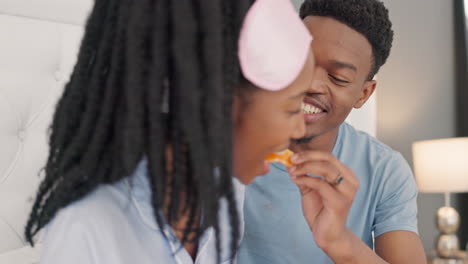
(111, 115)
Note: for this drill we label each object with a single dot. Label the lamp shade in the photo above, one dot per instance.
(441, 165)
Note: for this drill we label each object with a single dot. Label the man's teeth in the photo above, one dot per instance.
(310, 109)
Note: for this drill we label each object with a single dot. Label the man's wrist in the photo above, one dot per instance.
(341, 251)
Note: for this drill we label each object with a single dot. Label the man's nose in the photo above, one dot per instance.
(319, 82)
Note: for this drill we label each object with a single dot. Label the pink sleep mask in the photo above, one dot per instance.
(273, 44)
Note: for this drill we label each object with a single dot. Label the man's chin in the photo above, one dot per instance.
(311, 133)
(302, 141)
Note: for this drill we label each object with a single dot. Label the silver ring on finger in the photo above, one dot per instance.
(339, 180)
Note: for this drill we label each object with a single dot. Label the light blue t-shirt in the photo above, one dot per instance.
(276, 231)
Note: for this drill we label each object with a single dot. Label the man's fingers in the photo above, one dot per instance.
(318, 168)
(331, 197)
(329, 173)
(319, 158)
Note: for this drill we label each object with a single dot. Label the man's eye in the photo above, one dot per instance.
(337, 79)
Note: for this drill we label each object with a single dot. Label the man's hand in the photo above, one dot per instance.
(325, 201)
(328, 189)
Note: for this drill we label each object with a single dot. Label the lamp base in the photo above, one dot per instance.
(448, 221)
(447, 246)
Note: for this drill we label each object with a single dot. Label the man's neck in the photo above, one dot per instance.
(324, 142)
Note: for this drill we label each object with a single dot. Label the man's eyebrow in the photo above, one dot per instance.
(340, 64)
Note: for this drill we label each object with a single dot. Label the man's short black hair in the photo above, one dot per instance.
(368, 17)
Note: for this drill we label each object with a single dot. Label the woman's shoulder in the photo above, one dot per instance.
(90, 230)
(80, 224)
(105, 199)
(107, 203)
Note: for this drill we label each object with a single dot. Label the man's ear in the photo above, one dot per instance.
(367, 91)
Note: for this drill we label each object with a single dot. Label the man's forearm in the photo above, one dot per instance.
(352, 250)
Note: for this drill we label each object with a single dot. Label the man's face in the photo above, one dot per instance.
(343, 62)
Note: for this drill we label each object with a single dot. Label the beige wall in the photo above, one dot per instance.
(417, 86)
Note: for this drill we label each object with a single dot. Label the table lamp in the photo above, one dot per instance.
(441, 166)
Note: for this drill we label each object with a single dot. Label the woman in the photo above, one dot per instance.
(155, 121)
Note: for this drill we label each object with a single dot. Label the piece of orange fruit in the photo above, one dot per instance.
(283, 157)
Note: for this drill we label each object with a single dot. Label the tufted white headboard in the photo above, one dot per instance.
(39, 40)
(38, 46)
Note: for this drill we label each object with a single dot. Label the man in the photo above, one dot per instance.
(364, 190)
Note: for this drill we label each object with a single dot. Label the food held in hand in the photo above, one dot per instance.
(283, 157)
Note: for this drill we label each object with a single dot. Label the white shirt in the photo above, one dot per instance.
(115, 225)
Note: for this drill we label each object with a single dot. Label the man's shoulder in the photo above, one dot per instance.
(362, 143)
(368, 156)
